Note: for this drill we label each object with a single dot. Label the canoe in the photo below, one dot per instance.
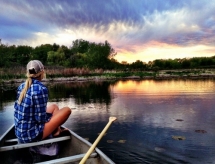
(72, 149)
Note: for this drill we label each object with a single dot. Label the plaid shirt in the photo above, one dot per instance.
(30, 116)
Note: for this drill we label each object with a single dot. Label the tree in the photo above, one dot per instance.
(110, 52)
(66, 51)
(185, 63)
(91, 55)
(158, 63)
(22, 54)
(99, 55)
(138, 65)
(56, 58)
(3, 55)
(80, 46)
(41, 52)
(55, 47)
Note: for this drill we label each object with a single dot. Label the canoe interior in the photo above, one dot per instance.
(74, 146)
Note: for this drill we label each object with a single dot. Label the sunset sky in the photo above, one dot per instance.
(137, 29)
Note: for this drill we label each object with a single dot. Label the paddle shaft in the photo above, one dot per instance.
(111, 119)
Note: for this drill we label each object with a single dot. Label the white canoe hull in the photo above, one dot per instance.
(72, 149)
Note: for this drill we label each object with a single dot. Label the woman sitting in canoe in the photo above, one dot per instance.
(34, 120)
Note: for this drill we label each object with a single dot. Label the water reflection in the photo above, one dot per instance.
(7, 95)
(83, 92)
(167, 87)
(152, 108)
(149, 112)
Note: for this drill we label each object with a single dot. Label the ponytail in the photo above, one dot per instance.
(28, 83)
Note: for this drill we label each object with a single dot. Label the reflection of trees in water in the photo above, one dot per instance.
(9, 94)
(83, 92)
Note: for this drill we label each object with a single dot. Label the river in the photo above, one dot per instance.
(158, 121)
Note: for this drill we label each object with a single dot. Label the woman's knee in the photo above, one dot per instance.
(52, 108)
(67, 110)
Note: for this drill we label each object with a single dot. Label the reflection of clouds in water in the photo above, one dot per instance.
(163, 115)
(89, 112)
(161, 103)
(93, 107)
(167, 87)
(70, 102)
(192, 111)
(146, 121)
(6, 117)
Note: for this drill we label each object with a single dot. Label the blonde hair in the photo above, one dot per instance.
(40, 75)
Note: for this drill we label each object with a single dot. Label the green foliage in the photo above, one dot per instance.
(90, 55)
(138, 65)
(80, 46)
(41, 52)
(56, 58)
(3, 55)
(22, 54)
(185, 63)
(97, 57)
(14, 55)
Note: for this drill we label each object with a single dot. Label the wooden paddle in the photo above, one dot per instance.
(111, 119)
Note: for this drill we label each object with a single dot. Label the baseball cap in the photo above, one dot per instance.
(34, 67)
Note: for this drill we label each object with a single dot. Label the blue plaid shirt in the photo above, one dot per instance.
(30, 116)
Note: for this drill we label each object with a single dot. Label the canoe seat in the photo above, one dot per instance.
(24, 145)
(73, 158)
(11, 140)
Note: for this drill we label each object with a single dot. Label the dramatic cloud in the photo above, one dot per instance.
(137, 29)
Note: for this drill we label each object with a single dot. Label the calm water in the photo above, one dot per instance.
(150, 115)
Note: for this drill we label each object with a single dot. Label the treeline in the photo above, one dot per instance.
(185, 63)
(90, 55)
(82, 54)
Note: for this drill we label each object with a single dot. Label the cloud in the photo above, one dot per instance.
(128, 25)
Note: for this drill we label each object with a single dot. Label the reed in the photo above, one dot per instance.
(51, 72)
(12, 73)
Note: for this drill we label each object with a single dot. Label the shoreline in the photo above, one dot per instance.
(144, 75)
(104, 78)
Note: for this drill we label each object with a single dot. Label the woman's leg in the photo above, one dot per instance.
(58, 118)
(53, 108)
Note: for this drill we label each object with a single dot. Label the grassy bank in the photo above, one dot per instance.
(52, 73)
(58, 72)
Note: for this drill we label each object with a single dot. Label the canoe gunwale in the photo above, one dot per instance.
(25, 145)
(90, 144)
(73, 158)
(96, 154)
(2, 138)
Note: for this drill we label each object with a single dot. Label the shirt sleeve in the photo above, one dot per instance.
(40, 99)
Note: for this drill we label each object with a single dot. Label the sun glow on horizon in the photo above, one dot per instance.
(130, 53)
(164, 51)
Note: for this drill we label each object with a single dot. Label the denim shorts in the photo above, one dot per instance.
(38, 138)
(48, 116)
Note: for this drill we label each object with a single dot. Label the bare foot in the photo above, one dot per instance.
(58, 131)
(62, 130)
